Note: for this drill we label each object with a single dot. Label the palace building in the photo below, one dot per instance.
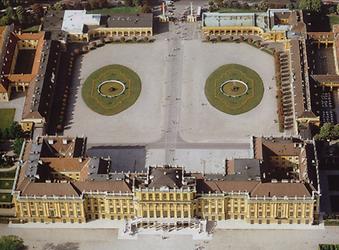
(20, 60)
(80, 26)
(30, 64)
(58, 183)
(272, 25)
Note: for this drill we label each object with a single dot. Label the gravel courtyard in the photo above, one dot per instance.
(139, 124)
(172, 116)
(89, 239)
(200, 121)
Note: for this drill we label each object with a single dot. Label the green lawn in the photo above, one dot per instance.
(32, 29)
(10, 174)
(6, 184)
(334, 19)
(235, 10)
(6, 117)
(329, 247)
(234, 104)
(115, 10)
(5, 197)
(111, 105)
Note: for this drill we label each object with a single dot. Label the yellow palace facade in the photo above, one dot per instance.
(217, 200)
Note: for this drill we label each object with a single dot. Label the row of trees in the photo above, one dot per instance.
(310, 5)
(328, 132)
(215, 5)
(11, 133)
(11, 242)
(12, 3)
(307, 5)
(145, 5)
(14, 133)
(19, 15)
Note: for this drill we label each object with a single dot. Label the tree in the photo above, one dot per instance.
(93, 4)
(16, 146)
(11, 242)
(6, 133)
(337, 8)
(20, 12)
(4, 20)
(146, 9)
(37, 10)
(129, 2)
(58, 6)
(219, 3)
(10, 12)
(310, 5)
(137, 2)
(328, 132)
(331, 10)
(15, 131)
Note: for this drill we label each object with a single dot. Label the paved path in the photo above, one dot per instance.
(89, 239)
(5, 190)
(8, 169)
(174, 76)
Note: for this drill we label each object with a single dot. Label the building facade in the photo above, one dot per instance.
(272, 25)
(58, 184)
(81, 26)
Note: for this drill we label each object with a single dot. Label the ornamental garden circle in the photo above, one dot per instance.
(111, 89)
(234, 89)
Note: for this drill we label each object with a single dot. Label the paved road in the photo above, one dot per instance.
(173, 97)
(89, 239)
(8, 169)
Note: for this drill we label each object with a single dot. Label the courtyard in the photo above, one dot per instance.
(141, 123)
(101, 238)
(172, 117)
(200, 121)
